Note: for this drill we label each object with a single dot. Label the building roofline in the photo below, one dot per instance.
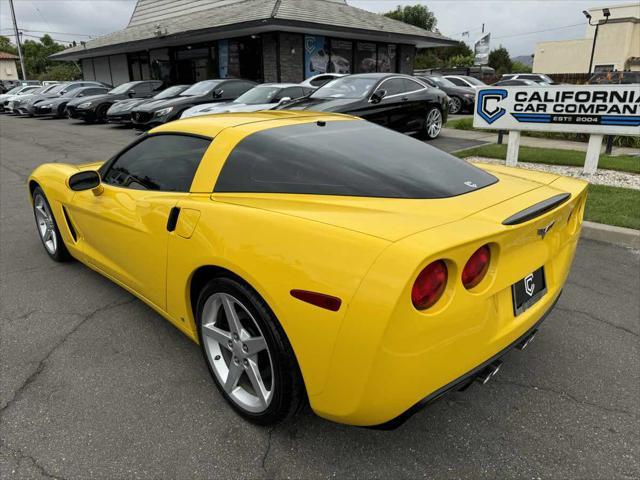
(251, 27)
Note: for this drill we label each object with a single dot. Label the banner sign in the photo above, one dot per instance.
(482, 50)
(598, 109)
(316, 57)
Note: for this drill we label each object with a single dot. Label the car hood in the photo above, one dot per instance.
(127, 105)
(395, 218)
(92, 98)
(154, 105)
(320, 104)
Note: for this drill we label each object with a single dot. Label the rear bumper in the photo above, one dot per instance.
(465, 380)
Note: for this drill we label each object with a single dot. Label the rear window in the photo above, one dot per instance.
(350, 158)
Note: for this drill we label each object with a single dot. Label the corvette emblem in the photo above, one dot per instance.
(543, 231)
(529, 286)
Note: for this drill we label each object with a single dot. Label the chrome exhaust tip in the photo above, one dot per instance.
(525, 343)
(487, 373)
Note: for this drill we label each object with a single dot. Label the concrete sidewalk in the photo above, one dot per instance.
(490, 137)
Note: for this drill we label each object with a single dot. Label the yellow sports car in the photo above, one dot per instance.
(319, 256)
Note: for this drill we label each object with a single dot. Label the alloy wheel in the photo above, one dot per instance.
(237, 352)
(46, 225)
(455, 105)
(434, 123)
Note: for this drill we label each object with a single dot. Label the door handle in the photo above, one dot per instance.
(172, 221)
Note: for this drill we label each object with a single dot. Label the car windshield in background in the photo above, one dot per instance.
(349, 158)
(168, 93)
(259, 95)
(14, 90)
(124, 88)
(200, 88)
(442, 82)
(612, 78)
(345, 87)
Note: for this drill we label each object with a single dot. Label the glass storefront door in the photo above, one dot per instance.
(194, 64)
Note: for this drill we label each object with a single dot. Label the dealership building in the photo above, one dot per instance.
(185, 41)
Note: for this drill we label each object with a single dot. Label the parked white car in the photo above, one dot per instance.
(15, 93)
(262, 97)
(319, 80)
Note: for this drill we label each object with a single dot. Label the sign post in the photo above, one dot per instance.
(597, 110)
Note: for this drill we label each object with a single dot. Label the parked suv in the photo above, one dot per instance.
(94, 109)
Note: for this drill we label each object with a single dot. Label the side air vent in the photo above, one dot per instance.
(69, 224)
(538, 209)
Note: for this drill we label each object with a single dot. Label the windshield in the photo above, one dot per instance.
(28, 90)
(14, 90)
(56, 89)
(442, 82)
(201, 88)
(259, 95)
(169, 92)
(475, 81)
(124, 88)
(345, 87)
(345, 157)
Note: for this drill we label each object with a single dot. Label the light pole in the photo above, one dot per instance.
(15, 30)
(606, 14)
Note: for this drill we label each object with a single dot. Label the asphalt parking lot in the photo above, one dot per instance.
(94, 384)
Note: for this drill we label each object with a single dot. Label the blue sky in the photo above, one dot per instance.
(511, 22)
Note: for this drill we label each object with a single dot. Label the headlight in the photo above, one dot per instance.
(48, 105)
(84, 105)
(164, 111)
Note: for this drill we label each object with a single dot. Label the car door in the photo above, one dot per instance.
(122, 228)
(387, 111)
(415, 105)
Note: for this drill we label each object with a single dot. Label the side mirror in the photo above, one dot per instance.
(87, 180)
(284, 100)
(378, 95)
(131, 93)
(218, 93)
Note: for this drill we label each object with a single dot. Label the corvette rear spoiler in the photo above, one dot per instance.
(536, 210)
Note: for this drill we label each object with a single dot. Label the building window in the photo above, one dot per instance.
(387, 58)
(366, 58)
(160, 65)
(341, 56)
(241, 58)
(139, 66)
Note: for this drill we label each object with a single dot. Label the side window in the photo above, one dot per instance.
(95, 91)
(235, 89)
(412, 85)
(321, 80)
(457, 81)
(166, 163)
(393, 86)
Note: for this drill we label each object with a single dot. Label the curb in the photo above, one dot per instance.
(624, 237)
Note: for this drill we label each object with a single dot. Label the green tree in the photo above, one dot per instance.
(62, 72)
(6, 45)
(519, 67)
(40, 66)
(440, 57)
(500, 61)
(416, 15)
(460, 61)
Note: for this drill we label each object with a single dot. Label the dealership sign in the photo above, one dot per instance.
(596, 109)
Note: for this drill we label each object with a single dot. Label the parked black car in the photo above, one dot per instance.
(462, 99)
(157, 112)
(120, 112)
(59, 90)
(399, 102)
(94, 109)
(55, 106)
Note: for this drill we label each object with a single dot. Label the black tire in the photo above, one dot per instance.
(101, 113)
(60, 254)
(288, 389)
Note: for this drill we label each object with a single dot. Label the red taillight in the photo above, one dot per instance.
(430, 285)
(476, 267)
